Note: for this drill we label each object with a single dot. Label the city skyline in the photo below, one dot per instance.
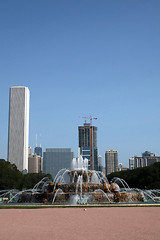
(81, 59)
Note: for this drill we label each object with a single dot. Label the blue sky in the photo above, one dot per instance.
(82, 58)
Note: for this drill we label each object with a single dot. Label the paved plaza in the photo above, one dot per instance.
(113, 223)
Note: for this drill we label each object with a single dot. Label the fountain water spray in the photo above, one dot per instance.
(80, 186)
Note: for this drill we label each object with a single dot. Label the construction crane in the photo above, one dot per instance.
(91, 118)
(91, 141)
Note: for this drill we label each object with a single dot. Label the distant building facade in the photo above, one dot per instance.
(111, 161)
(100, 165)
(104, 170)
(54, 159)
(38, 151)
(2, 160)
(29, 150)
(131, 163)
(35, 164)
(147, 159)
(121, 167)
(18, 131)
(88, 144)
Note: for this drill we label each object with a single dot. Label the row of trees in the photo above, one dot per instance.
(143, 178)
(12, 178)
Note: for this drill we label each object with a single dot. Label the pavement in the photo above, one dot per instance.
(80, 223)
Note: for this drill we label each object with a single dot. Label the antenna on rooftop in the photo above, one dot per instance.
(40, 139)
(36, 139)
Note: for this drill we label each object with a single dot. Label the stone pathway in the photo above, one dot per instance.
(122, 223)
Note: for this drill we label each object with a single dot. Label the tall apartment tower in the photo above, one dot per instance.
(18, 131)
(88, 144)
(111, 160)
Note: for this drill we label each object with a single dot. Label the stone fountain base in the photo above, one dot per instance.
(94, 193)
(84, 187)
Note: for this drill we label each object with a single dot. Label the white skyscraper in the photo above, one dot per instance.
(18, 131)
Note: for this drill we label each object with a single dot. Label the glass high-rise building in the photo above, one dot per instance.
(54, 159)
(18, 131)
(38, 151)
(111, 160)
(88, 144)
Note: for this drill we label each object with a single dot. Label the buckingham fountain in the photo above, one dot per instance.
(80, 186)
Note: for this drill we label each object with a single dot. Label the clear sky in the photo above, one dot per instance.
(82, 58)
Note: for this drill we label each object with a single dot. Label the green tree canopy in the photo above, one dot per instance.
(12, 178)
(146, 177)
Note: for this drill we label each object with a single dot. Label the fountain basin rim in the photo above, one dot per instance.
(24, 206)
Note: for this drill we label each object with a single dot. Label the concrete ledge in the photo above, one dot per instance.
(6, 206)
